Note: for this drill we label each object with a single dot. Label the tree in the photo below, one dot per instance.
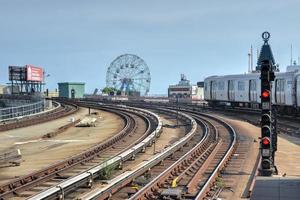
(108, 90)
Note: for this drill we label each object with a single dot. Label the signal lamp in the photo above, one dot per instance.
(265, 94)
(265, 82)
(266, 119)
(266, 131)
(266, 164)
(265, 141)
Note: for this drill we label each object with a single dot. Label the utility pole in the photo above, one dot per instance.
(268, 143)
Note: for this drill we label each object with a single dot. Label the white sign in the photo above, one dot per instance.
(265, 152)
(265, 105)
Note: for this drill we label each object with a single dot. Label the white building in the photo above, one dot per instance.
(7, 89)
(184, 90)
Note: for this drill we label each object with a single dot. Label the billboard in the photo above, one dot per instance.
(17, 73)
(34, 73)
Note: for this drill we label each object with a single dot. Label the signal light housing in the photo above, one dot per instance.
(266, 63)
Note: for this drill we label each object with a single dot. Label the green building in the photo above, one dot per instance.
(71, 89)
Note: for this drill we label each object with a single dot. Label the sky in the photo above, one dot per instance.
(75, 40)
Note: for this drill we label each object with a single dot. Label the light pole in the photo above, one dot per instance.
(177, 103)
(45, 76)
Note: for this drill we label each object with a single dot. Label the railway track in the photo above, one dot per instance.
(174, 171)
(197, 166)
(194, 173)
(286, 124)
(62, 110)
(32, 184)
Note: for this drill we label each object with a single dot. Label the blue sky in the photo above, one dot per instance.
(77, 40)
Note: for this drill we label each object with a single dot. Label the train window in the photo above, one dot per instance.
(241, 85)
(252, 85)
(205, 86)
(277, 85)
(231, 85)
(282, 85)
(221, 85)
(214, 85)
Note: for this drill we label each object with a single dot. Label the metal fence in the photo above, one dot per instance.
(19, 111)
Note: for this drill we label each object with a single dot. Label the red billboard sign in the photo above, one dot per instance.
(34, 73)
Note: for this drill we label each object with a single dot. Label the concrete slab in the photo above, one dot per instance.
(276, 188)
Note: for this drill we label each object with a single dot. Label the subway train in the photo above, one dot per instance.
(244, 90)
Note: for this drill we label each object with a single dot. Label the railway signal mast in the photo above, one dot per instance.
(268, 146)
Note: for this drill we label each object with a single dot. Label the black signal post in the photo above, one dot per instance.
(266, 65)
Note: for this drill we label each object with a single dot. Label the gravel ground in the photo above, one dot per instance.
(287, 157)
(38, 153)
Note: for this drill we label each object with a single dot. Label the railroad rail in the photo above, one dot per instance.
(286, 124)
(185, 176)
(115, 184)
(22, 186)
(62, 110)
(190, 150)
(86, 177)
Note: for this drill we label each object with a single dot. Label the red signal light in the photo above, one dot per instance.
(265, 94)
(266, 141)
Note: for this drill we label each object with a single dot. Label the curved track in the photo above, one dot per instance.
(184, 165)
(31, 184)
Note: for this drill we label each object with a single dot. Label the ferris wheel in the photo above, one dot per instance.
(130, 74)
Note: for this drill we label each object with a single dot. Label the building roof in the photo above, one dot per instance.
(71, 83)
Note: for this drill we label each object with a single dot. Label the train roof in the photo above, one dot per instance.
(249, 75)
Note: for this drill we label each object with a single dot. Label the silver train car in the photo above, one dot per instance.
(244, 90)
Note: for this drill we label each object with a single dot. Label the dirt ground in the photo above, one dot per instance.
(38, 153)
(248, 133)
(287, 157)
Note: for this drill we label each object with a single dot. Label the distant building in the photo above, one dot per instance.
(7, 89)
(185, 91)
(2, 88)
(51, 94)
(182, 90)
(198, 91)
(71, 89)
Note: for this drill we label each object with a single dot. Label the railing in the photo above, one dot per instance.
(20, 111)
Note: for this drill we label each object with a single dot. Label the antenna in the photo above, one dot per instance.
(291, 54)
(251, 64)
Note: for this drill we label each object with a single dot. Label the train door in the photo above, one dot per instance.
(213, 92)
(231, 90)
(279, 91)
(252, 90)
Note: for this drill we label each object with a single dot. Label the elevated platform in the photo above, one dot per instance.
(276, 188)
